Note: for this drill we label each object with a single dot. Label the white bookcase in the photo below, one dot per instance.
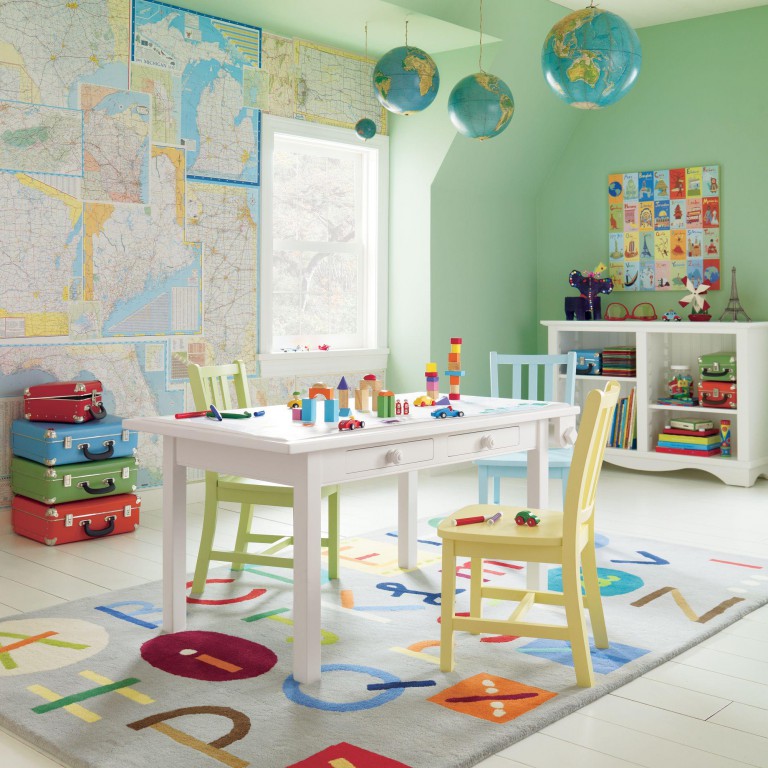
(661, 344)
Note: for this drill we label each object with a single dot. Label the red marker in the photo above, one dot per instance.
(190, 415)
(469, 520)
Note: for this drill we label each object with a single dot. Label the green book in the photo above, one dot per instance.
(690, 439)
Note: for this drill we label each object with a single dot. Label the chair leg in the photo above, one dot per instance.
(497, 489)
(206, 538)
(577, 626)
(482, 484)
(333, 535)
(564, 479)
(593, 601)
(475, 589)
(447, 606)
(243, 529)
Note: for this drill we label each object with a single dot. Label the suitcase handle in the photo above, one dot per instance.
(103, 532)
(714, 401)
(585, 370)
(718, 374)
(97, 456)
(95, 491)
(98, 411)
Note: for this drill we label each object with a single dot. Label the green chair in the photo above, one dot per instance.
(212, 385)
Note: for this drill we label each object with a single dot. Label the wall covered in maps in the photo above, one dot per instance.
(129, 195)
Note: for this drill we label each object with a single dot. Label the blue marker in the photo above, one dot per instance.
(258, 413)
(214, 413)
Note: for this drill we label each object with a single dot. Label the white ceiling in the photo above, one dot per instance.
(646, 13)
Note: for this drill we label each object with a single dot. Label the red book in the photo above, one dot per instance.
(686, 452)
(691, 432)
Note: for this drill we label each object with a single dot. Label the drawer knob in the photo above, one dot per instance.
(394, 456)
(488, 442)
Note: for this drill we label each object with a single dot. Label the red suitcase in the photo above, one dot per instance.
(64, 401)
(717, 394)
(75, 520)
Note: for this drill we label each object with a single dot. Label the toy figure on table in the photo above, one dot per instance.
(586, 306)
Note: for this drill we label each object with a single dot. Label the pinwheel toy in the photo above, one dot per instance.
(699, 305)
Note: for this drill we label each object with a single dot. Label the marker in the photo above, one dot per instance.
(469, 520)
(190, 415)
(245, 415)
(213, 413)
(493, 518)
(258, 413)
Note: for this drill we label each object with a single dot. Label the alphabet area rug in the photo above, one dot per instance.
(96, 684)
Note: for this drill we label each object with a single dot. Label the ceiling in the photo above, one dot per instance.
(341, 23)
(647, 13)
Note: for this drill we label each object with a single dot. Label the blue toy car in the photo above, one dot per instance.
(447, 412)
(671, 316)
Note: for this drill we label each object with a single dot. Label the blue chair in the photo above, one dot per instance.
(543, 372)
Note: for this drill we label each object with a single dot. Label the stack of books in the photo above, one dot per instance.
(619, 361)
(623, 431)
(690, 437)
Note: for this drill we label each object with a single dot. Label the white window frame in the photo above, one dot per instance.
(374, 352)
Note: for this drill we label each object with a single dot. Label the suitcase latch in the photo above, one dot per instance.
(68, 441)
(127, 510)
(126, 435)
(126, 473)
(68, 520)
(67, 481)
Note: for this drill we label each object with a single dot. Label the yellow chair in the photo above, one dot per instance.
(211, 385)
(566, 538)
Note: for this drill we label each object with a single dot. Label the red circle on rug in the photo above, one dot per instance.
(209, 656)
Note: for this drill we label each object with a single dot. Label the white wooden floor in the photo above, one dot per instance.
(708, 708)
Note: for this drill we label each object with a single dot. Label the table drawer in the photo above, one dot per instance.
(473, 442)
(383, 456)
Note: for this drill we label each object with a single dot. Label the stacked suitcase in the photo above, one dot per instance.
(717, 380)
(73, 470)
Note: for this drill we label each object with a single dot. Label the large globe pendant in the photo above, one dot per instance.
(406, 80)
(480, 106)
(591, 58)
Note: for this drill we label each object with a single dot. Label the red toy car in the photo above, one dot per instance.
(351, 424)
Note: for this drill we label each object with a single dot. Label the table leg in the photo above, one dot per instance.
(306, 572)
(407, 487)
(538, 488)
(174, 540)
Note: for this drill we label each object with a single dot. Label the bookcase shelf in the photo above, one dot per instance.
(659, 345)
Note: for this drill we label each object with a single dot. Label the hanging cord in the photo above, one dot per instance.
(406, 33)
(480, 59)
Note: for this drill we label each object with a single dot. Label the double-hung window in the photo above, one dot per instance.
(323, 249)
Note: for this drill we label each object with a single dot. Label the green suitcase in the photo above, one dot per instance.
(73, 482)
(718, 366)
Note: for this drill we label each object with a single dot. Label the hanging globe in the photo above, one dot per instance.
(480, 106)
(365, 128)
(406, 80)
(591, 58)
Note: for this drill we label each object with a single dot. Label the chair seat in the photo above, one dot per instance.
(548, 533)
(558, 458)
(235, 483)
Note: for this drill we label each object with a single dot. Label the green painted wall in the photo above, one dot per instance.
(701, 99)
(469, 269)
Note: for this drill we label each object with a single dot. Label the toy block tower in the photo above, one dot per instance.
(366, 395)
(385, 406)
(433, 382)
(454, 372)
(343, 389)
(321, 389)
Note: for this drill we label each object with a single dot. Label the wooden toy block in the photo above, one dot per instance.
(343, 398)
(453, 357)
(331, 410)
(432, 367)
(454, 396)
(296, 414)
(308, 409)
(345, 413)
(456, 340)
(321, 389)
(385, 405)
(362, 399)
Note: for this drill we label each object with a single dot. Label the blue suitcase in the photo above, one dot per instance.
(51, 444)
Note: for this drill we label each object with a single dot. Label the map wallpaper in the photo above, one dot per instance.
(129, 195)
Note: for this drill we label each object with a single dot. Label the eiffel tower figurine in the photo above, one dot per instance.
(734, 308)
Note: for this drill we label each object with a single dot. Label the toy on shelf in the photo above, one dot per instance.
(725, 437)
(586, 306)
(454, 372)
(671, 315)
(295, 401)
(323, 347)
(642, 311)
(526, 517)
(366, 395)
(343, 389)
(447, 412)
(734, 308)
(680, 385)
(423, 401)
(351, 424)
(695, 297)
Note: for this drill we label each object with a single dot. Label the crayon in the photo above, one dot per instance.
(213, 413)
(190, 414)
(469, 520)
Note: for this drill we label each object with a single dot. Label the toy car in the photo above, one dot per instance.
(351, 424)
(671, 315)
(423, 401)
(444, 413)
(295, 401)
(527, 518)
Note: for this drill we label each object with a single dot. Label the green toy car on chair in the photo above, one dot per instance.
(527, 518)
